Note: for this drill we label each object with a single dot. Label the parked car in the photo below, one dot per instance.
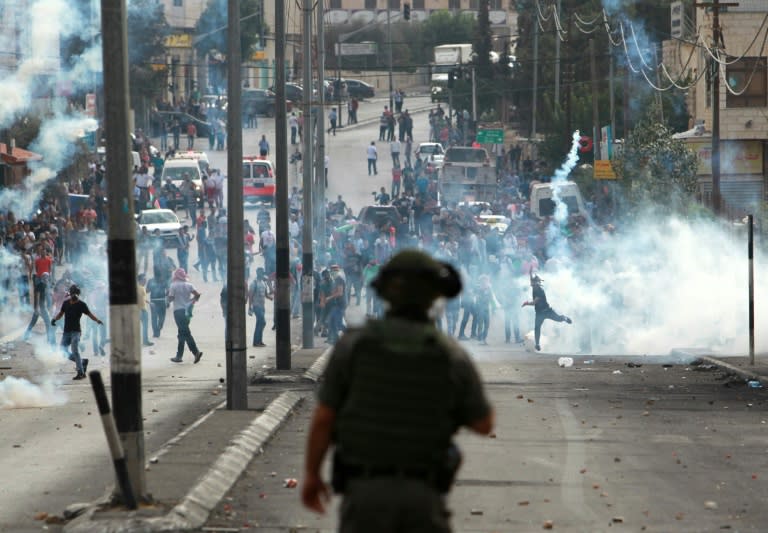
(258, 102)
(359, 89)
(164, 220)
(293, 92)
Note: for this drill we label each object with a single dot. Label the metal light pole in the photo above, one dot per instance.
(307, 304)
(389, 40)
(236, 356)
(125, 355)
(283, 311)
(318, 210)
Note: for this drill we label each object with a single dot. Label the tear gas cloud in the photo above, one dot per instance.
(654, 285)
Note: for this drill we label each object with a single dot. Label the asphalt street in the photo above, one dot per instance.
(619, 444)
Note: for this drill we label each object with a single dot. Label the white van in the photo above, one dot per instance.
(543, 205)
(175, 170)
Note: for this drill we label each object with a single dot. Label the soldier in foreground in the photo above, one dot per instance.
(394, 394)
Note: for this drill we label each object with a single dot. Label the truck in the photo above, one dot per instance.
(467, 176)
(543, 202)
(447, 58)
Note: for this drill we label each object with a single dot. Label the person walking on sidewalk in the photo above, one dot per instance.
(390, 483)
(542, 308)
(184, 296)
(293, 123)
(373, 154)
(72, 309)
(332, 117)
(258, 293)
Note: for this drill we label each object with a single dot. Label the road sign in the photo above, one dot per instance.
(357, 49)
(604, 170)
(490, 136)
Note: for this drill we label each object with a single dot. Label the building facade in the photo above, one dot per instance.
(743, 102)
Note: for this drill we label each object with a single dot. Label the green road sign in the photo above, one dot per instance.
(490, 136)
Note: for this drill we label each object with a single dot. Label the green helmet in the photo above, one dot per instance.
(412, 277)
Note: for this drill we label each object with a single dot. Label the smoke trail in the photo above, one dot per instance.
(557, 245)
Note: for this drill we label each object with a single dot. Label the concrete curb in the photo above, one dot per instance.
(315, 372)
(746, 373)
(193, 510)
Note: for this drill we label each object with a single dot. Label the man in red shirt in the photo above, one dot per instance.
(43, 265)
(191, 134)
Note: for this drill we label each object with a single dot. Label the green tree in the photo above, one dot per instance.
(211, 28)
(147, 30)
(655, 169)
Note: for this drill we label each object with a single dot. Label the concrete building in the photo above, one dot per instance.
(743, 101)
(502, 14)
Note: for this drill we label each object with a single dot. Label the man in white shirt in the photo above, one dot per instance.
(373, 154)
(293, 123)
(218, 179)
(394, 149)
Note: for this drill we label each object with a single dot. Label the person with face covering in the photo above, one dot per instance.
(183, 295)
(72, 310)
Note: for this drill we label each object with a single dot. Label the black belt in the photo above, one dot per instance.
(369, 472)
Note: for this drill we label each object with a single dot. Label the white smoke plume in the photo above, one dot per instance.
(17, 393)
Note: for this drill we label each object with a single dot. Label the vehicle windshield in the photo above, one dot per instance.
(158, 217)
(431, 149)
(260, 170)
(466, 155)
(177, 173)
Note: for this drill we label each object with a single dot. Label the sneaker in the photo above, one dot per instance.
(149, 343)
(538, 348)
(259, 345)
(79, 376)
(85, 366)
(176, 359)
(463, 338)
(198, 356)
(568, 320)
(101, 351)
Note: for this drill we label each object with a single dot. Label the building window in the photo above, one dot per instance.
(335, 4)
(747, 75)
(177, 3)
(495, 4)
(474, 4)
(417, 4)
(394, 4)
(370, 4)
(454, 4)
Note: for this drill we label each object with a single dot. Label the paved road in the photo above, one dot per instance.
(649, 448)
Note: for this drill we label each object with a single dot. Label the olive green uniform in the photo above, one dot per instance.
(400, 389)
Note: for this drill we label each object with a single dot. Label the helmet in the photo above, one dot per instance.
(422, 279)
(74, 290)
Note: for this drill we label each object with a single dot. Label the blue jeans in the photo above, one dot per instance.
(70, 341)
(335, 322)
(144, 318)
(184, 335)
(372, 166)
(261, 322)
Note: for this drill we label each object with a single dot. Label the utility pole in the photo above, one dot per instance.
(307, 266)
(557, 57)
(318, 197)
(236, 356)
(125, 355)
(283, 311)
(595, 110)
(535, 102)
(717, 39)
(389, 40)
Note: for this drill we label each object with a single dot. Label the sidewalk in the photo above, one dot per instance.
(738, 364)
(192, 472)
